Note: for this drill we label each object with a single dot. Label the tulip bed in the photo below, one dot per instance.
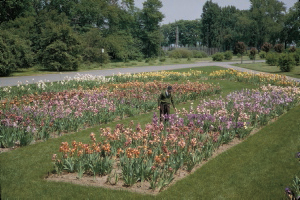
(34, 117)
(154, 154)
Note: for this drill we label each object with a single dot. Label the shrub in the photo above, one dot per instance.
(279, 48)
(92, 54)
(162, 59)
(14, 53)
(199, 54)
(252, 53)
(228, 55)
(286, 62)
(262, 54)
(180, 53)
(59, 57)
(296, 55)
(266, 47)
(218, 56)
(272, 59)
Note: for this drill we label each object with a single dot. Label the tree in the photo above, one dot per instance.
(11, 9)
(266, 47)
(268, 19)
(252, 54)
(279, 48)
(150, 17)
(15, 53)
(291, 29)
(240, 48)
(210, 27)
(58, 47)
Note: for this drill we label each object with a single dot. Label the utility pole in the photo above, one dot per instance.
(177, 37)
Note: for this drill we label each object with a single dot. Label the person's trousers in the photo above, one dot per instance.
(164, 110)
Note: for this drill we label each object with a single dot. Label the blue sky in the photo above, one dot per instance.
(192, 9)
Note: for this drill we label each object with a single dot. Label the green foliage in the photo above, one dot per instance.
(188, 30)
(123, 47)
(266, 47)
(286, 62)
(15, 53)
(59, 46)
(279, 48)
(199, 54)
(11, 9)
(162, 59)
(228, 55)
(209, 28)
(218, 56)
(93, 47)
(180, 53)
(150, 17)
(272, 59)
(262, 54)
(296, 55)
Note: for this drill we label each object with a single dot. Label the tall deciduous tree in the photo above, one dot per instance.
(210, 27)
(268, 19)
(150, 18)
(11, 9)
(291, 29)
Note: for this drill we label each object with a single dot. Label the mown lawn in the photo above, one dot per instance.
(263, 67)
(259, 168)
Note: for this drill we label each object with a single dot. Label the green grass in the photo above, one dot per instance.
(259, 168)
(263, 67)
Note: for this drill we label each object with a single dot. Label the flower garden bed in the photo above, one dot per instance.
(35, 117)
(156, 155)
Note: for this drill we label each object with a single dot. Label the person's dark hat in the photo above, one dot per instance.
(169, 88)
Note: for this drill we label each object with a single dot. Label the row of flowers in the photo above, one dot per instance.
(88, 81)
(257, 79)
(36, 116)
(158, 151)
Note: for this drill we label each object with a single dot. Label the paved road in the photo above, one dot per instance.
(11, 81)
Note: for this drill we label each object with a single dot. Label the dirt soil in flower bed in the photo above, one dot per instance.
(139, 187)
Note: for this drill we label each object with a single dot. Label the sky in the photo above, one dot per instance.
(192, 9)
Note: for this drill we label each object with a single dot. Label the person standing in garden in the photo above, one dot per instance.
(165, 99)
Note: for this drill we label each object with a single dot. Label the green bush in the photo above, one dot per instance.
(218, 56)
(262, 54)
(92, 54)
(180, 53)
(162, 59)
(296, 55)
(272, 59)
(14, 53)
(199, 54)
(228, 55)
(286, 62)
(58, 57)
